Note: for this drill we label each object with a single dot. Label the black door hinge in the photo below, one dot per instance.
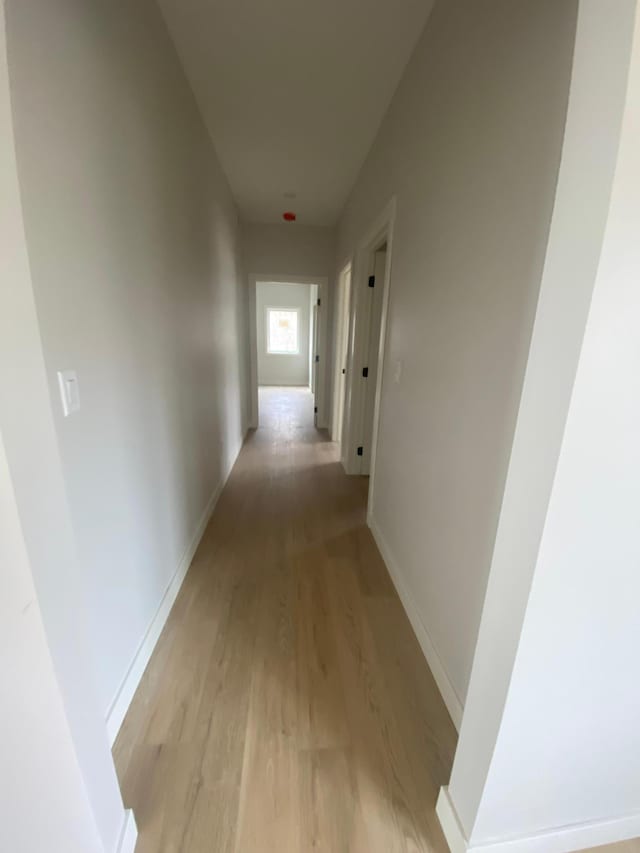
(372, 281)
(360, 451)
(317, 358)
(315, 410)
(365, 372)
(318, 300)
(344, 369)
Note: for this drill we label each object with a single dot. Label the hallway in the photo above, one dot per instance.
(287, 706)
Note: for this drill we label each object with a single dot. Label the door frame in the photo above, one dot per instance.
(320, 395)
(342, 309)
(380, 231)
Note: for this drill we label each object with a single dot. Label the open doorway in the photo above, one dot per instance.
(287, 342)
(365, 344)
(283, 330)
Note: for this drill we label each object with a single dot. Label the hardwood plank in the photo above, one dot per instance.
(394, 809)
(268, 817)
(331, 818)
(414, 696)
(287, 706)
(322, 715)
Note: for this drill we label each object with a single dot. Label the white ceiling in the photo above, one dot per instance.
(293, 91)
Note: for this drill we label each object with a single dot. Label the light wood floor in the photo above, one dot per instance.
(287, 707)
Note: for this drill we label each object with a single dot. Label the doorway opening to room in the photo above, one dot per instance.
(287, 326)
(360, 349)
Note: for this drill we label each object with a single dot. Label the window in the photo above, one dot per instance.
(282, 331)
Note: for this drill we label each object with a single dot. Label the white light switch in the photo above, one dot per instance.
(69, 391)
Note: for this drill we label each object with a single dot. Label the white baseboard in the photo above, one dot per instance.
(450, 824)
(120, 704)
(562, 839)
(129, 834)
(449, 695)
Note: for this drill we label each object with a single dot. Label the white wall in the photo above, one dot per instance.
(565, 758)
(274, 368)
(470, 147)
(133, 245)
(58, 784)
(43, 802)
(289, 249)
(596, 102)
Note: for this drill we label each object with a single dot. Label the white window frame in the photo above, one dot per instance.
(293, 309)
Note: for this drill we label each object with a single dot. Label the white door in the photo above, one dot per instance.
(372, 350)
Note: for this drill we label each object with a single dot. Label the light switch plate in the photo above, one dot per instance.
(69, 391)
